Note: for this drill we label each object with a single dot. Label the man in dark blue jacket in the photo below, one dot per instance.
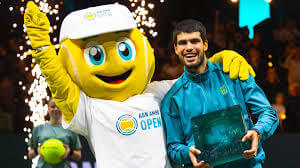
(204, 88)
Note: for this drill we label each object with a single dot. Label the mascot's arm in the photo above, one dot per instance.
(233, 63)
(64, 91)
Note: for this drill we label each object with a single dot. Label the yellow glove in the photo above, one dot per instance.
(37, 25)
(233, 63)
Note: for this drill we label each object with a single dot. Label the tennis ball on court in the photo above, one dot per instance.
(52, 151)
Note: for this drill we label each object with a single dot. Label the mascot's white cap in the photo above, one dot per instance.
(96, 20)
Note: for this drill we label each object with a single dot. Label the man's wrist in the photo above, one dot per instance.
(256, 130)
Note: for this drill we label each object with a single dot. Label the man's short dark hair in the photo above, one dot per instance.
(189, 26)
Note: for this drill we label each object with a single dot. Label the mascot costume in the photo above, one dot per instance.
(99, 78)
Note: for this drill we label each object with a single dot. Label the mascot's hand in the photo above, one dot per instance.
(233, 63)
(37, 25)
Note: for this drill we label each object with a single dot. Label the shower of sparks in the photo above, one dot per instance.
(37, 91)
(142, 11)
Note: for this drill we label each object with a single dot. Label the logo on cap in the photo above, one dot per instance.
(104, 13)
(90, 16)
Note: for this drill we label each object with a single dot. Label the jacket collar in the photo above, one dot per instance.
(198, 77)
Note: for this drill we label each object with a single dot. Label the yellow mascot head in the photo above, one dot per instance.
(105, 54)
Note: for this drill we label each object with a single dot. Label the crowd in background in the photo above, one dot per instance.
(276, 63)
(12, 70)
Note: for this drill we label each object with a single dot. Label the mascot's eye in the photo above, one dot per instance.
(126, 49)
(94, 54)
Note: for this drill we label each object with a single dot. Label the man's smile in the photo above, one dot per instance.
(190, 57)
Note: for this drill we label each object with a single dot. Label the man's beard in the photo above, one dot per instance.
(198, 64)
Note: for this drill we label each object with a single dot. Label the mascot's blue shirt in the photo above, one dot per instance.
(193, 95)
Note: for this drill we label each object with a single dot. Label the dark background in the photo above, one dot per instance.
(282, 149)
